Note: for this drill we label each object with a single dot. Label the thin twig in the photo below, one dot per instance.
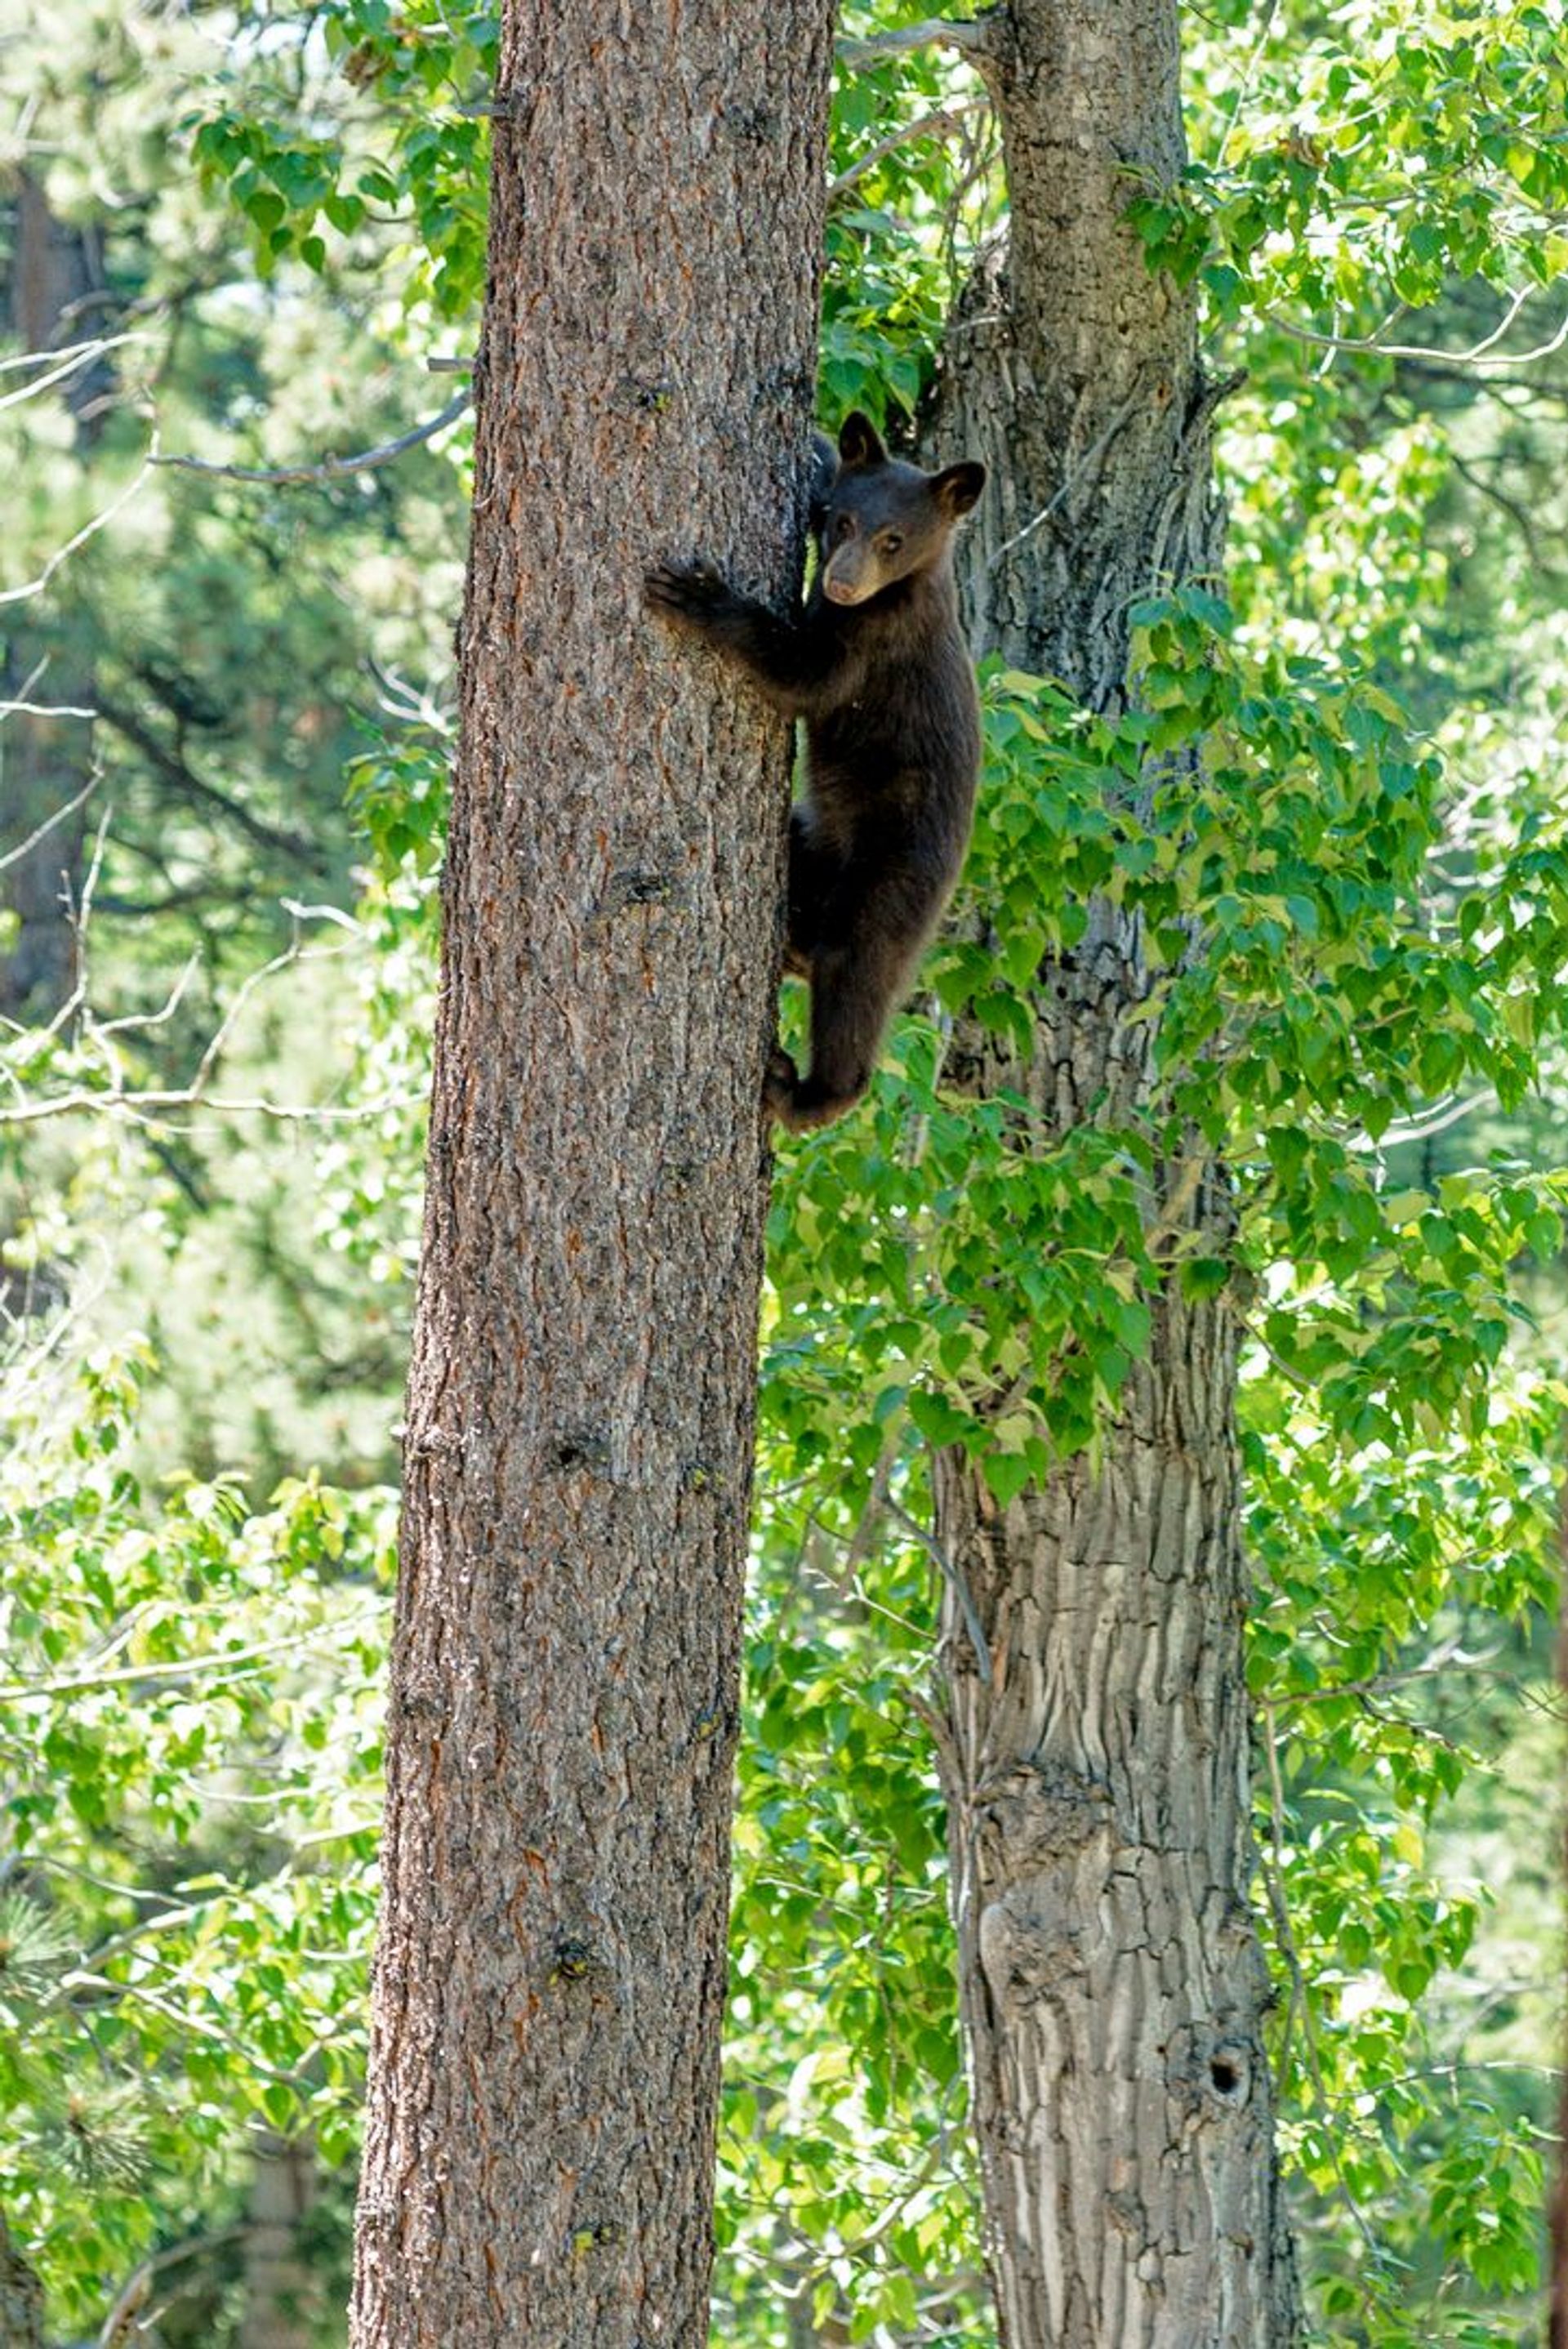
(14, 855)
(70, 363)
(1421, 1129)
(184, 1668)
(77, 353)
(1246, 81)
(1380, 1683)
(76, 915)
(940, 125)
(140, 1020)
(953, 1574)
(45, 709)
(141, 1108)
(88, 530)
(203, 2028)
(330, 469)
(1521, 517)
(1478, 356)
(154, 1105)
(132, 2298)
(939, 1731)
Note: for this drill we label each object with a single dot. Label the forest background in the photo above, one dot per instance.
(226, 723)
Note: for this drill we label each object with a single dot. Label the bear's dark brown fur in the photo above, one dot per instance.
(876, 665)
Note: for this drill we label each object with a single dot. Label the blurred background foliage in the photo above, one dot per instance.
(243, 235)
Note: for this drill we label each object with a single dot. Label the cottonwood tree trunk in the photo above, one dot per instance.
(1112, 1986)
(550, 1968)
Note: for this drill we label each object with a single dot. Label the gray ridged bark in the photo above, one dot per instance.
(550, 1966)
(1112, 1985)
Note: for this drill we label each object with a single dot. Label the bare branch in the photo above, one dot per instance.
(140, 1021)
(77, 914)
(1533, 388)
(141, 1108)
(60, 365)
(1436, 1120)
(221, 1662)
(132, 2299)
(1259, 46)
(218, 1042)
(115, 1098)
(876, 1499)
(330, 469)
(1481, 355)
(940, 125)
(409, 704)
(969, 35)
(78, 353)
(45, 709)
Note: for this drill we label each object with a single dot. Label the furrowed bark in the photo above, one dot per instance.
(1557, 2216)
(1112, 1986)
(21, 2298)
(550, 1967)
(45, 761)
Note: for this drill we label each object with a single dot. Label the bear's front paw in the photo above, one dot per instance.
(690, 591)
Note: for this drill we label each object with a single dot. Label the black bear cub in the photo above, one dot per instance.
(876, 664)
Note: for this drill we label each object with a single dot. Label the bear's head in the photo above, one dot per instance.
(880, 522)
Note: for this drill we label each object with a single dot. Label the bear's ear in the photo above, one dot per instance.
(820, 480)
(958, 487)
(859, 441)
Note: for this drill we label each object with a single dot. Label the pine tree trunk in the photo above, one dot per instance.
(1112, 1986)
(550, 1967)
(1557, 2216)
(46, 761)
(281, 2305)
(21, 2298)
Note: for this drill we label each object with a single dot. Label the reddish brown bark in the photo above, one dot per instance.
(21, 2298)
(1557, 2328)
(45, 761)
(551, 1959)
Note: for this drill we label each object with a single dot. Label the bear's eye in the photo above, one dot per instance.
(892, 542)
(843, 527)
